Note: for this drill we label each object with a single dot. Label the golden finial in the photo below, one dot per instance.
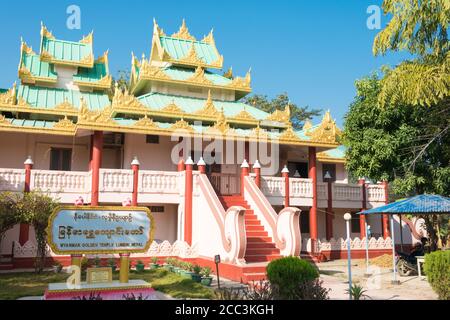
(229, 73)
(307, 126)
(209, 38)
(45, 33)
(88, 39)
(183, 33)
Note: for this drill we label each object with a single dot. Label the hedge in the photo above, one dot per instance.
(437, 269)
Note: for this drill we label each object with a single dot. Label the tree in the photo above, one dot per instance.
(420, 27)
(8, 214)
(389, 144)
(298, 114)
(35, 209)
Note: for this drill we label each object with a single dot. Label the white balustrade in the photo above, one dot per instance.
(116, 180)
(273, 186)
(60, 181)
(375, 193)
(12, 180)
(159, 182)
(322, 191)
(302, 188)
(347, 192)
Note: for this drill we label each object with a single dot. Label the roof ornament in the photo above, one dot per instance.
(327, 132)
(157, 30)
(209, 39)
(183, 33)
(229, 74)
(308, 125)
(45, 33)
(89, 39)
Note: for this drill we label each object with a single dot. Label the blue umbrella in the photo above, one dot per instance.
(422, 204)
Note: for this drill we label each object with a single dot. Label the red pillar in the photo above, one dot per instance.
(385, 218)
(135, 167)
(188, 202)
(97, 149)
(257, 172)
(201, 166)
(244, 173)
(181, 166)
(329, 213)
(362, 218)
(24, 231)
(287, 193)
(313, 213)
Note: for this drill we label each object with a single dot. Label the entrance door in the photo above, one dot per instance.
(225, 179)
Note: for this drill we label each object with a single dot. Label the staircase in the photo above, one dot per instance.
(260, 247)
(6, 263)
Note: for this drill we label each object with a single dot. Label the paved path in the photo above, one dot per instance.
(379, 286)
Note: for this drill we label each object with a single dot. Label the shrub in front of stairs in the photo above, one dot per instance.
(290, 276)
(437, 269)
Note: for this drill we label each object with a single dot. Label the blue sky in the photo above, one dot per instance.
(314, 50)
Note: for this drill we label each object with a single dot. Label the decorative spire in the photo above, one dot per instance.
(88, 39)
(183, 33)
(157, 30)
(229, 74)
(45, 33)
(308, 125)
(209, 38)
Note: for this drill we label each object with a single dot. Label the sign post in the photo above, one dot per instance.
(217, 260)
(79, 231)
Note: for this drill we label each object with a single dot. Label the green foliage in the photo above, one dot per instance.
(287, 274)
(206, 272)
(298, 114)
(404, 144)
(35, 208)
(437, 269)
(357, 292)
(197, 269)
(420, 27)
(155, 260)
(8, 214)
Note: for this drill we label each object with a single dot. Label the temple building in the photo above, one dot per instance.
(67, 130)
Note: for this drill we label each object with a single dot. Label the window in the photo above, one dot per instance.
(356, 227)
(157, 209)
(304, 222)
(150, 139)
(61, 159)
(300, 167)
(331, 168)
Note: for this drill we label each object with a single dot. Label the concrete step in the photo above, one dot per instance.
(254, 277)
(256, 234)
(262, 251)
(260, 245)
(6, 266)
(259, 239)
(258, 227)
(261, 258)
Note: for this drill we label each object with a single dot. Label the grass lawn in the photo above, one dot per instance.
(17, 285)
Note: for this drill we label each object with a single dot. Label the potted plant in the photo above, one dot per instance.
(169, 265)
(140, 266)
(206, 277)
(186, 272)
(176, 266)
(57, 267)
(196, 269)
(112, 264)
(154, 265)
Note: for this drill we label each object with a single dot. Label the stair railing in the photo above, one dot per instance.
(284, 227)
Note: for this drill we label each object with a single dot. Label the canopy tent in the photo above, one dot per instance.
(419, 205)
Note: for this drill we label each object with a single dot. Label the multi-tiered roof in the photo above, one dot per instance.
(177, 88)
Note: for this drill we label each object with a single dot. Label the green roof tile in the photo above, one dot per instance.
(48, 98)
(192, 105)
(66, 50)
(179, 49)
(37, 67)
(32, 123)
(98, 72)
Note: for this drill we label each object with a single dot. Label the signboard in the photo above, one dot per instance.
(100, 230)
(99, 275)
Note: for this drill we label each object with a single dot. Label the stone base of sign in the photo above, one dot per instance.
(138, 289)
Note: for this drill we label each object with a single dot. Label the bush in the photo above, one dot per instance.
(437, 269)
(288, 274)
